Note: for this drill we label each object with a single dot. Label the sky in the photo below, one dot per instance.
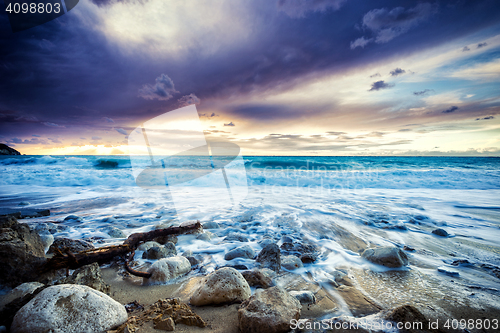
(276, 77)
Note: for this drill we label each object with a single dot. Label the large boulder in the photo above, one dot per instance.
(222, 286)
(268, 311)
(270, 257)
(389, 256)
(167, 269)
(21, 253)
(88, 275)
(69, 308)
(258, 278)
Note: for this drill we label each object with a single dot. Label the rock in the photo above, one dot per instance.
(73, 245)
(268, 311)
(24, 213)
(21, 253)
(165, 239)
(359, 304)
(158, 252)
(24, 203)
(266, 241)
(222, 286)
(408, 314)
(167, 269)
(194, 261)
(291, 262)
(408, 248)
(270, 257)
(286, 239)
(389, 256)
(206, 236)
(234, 237)
(211, 225)
(109, 219)
(146, 246)
(240, 252)
(47, 240)
(304, 297)
(73, 218)
(88, 275)
(164, 324)
(19, 292)
(114, 232)
(308, 258)
(6, 150)
(448, 271)
(440, 232)
(69, 308)
(258, 278)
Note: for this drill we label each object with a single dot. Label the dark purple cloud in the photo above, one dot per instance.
(397, 71)
(299, 8)
(422, 92)
(380, 85)
(450, 110)
(229, 124)
(163, 89)
(480, 45)
(188, 100)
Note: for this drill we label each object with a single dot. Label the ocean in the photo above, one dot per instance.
(339, 204)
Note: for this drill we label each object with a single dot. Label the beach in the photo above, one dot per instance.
(438, 217)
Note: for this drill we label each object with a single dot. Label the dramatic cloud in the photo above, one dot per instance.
(121, 131)
(36, 135)
(108, 120)
(55, 140)
(486, 118)
(188, 100)
(423, 92)
(298, 8)
(387, 24)
(230, 124)
(450, 110)
(465, 49)
(163, 89)
(397, 71)
(95, 138)
(480, 45)
(380, 85)
(375, 75)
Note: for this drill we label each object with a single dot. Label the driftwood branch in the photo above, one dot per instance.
(105, 254)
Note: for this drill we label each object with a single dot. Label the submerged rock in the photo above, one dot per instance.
(270, 257)
(69, 308)
(114, 232)
(73, 218)
(88, 275)
(166, 269)
(240, 252)
(21, 253)
(206, 236)
(211, 225)
(158, 252)
(440, 232)
(304, 297)
(291, 262)
(234, 237)
(222, 286)
(73, 245)
(389, 256)
(268, 311)
(258, 278)
(146, 246)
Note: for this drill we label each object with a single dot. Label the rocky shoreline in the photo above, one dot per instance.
(181, 295)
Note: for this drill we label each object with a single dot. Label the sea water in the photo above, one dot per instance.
(331, 202)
